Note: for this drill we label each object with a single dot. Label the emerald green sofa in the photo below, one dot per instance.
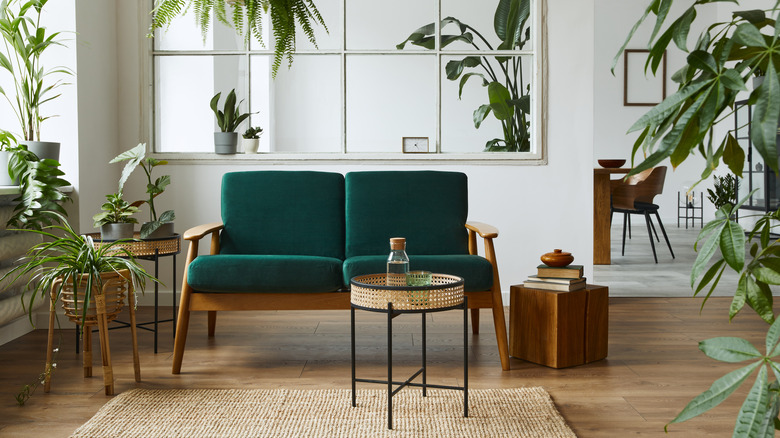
(292, 240)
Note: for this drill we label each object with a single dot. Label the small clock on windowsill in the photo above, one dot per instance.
(415, 145)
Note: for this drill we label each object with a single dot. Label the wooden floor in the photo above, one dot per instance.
(653, 369)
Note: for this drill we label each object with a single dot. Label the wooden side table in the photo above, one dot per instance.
(559, 329)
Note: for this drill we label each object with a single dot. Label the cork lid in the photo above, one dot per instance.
(397, 243)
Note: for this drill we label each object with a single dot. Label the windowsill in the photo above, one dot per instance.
(508, 158)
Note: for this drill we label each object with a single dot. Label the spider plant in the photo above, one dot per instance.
(76, 260)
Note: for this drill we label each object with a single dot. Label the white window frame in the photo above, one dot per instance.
(538, 99)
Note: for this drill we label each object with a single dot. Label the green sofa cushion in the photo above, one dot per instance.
(476, 271)
(283, 213)
(264, 273)
(428, 208)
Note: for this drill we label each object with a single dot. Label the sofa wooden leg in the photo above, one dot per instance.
(500, 324)
(475, 321)
(212, 322)
(183, 324)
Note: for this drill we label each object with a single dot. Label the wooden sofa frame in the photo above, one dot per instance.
(192, 301)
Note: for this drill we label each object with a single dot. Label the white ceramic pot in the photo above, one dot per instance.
(44, 149)
(225, 142)
(250, 145)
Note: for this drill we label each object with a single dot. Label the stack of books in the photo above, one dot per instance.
(564, 279)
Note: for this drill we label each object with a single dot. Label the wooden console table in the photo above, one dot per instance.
(602, 239)
(559, 329)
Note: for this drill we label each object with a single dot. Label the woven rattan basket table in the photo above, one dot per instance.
(372, 293)
(152, 250)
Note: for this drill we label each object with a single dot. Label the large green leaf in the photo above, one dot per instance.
(759, 297)
(772, 337)
(732, 245)
(509, 21)
(748, 34)
(668, 106)
(767, 275)
(454, 68)
(751, 415)
(740, 296)
(766, 111)
(499, 101)
(704, 61)
(719, 391)
(729, 349)
(133, 157)
(734, 155)
(466, 77)
(707, 251)
(480, 114)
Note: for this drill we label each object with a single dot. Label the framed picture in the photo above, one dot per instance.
(640, 89)
(415, 145)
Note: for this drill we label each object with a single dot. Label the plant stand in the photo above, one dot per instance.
(690, 210)
(104, 308)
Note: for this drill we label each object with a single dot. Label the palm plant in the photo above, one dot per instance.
(725, 55)
(509, 102)
(247, 17)
(69, 258)
(25, 41)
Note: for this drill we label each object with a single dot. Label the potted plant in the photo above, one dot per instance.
(70, 268)
(250, 141)
(508, 94)
(159, 226)
(247, 18)
(25, 42)
(40, 199)
(115, 221)
(725, 192)
(722, 59)
(228, 119)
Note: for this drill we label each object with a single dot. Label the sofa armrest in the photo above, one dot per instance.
(200, 231)
(484, 230)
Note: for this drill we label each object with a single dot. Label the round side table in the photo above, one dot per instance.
(371, 293)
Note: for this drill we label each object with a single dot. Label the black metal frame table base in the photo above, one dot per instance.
(391, 313)
(156, 322)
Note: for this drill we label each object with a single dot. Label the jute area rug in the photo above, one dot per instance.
(192, 413)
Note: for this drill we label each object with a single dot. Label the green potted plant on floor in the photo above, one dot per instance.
(25, 42)
(725, 192)
(161, 225)
(247, 18)
(70, 268)
(228, 119)
(719, 64)
(115, 221)
(508, 93)
(250, 140)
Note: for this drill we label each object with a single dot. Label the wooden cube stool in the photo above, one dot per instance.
(559, 329)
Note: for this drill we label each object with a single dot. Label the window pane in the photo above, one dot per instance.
(379, 24)
(184, 87)
(480, 16)
(306, 104)
(390, 97)
(458, 131)
(184, 34)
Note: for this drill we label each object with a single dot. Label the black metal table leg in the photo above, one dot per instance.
(424, 368)
(465, 357)
(352, 325)
(389, 365)
(173, 274)
(156, 291)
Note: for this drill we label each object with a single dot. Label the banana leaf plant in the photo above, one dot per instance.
(508, 92)
(718, 65)
(247, 17)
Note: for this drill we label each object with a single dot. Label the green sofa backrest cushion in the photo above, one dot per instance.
(428, 208)
(283, 213)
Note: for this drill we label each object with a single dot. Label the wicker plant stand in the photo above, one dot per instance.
(371, 293)
(151, 250)
(105, 305)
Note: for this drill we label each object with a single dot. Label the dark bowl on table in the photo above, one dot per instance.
(611, 164)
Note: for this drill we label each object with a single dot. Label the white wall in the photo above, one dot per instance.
(536, 208)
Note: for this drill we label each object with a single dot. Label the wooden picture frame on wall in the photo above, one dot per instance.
(640, 89)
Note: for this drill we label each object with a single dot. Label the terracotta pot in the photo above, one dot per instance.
(557, 258)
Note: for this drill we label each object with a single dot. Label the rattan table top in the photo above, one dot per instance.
(372, 292)
(162, 246)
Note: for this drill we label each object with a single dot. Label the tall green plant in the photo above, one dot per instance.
(247, 17)
(510, 101)
(717, 68)
(24, 42)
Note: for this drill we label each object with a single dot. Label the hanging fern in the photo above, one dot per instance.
(246, 17)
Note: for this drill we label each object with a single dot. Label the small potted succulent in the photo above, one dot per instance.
(251, 140)
(161, 225)
(115, 221)
(228, 119)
